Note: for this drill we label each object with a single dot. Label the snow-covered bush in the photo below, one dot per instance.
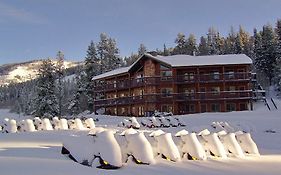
(90, 123)
(63, 124)
(47, 124)
(28, 125)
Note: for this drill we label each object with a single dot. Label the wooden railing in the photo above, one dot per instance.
(180, 79)
(177, 97)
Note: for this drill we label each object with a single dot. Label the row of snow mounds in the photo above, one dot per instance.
(37, 124)
(152, 122)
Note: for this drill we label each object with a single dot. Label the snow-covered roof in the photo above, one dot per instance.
(186, 60)
(113, 72)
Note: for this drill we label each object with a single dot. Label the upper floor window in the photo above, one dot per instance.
(167, 92)
(229, 75)
(215, 90)
(215, 75)
(189, 76)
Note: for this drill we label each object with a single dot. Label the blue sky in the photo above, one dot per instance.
(31, 29)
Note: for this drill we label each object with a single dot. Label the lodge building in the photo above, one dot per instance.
(181, 84)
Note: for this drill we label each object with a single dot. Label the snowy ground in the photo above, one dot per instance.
(39, 152)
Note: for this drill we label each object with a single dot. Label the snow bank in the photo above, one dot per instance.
(56, 123)
(28, 125)
(181, 133)
(135, 123)
(12, 126)
(213, 144)
(230, 143)
(247, 143)
(71, 123)
(38, 123)
(167, 147)
(78, 124)
(192, 147)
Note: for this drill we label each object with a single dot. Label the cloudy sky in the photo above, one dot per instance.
(31, 29)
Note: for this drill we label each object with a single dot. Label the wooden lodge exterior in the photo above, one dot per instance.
(180, 84)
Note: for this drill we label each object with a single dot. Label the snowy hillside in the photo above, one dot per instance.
(21, 72)
(39, 152)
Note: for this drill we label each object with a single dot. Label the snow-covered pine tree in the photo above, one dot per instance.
(229, 42)
(191, 45)
(142, 49)
(60, 71)
(46, 102)
(92, 67)
(166, 51)
(203, 48)
(75, 104)
(277, 77)
(180, 45)
(267, 54)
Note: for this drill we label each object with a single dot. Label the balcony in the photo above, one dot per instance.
(177, 97)
(180, 79)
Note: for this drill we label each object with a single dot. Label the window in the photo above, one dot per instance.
(165, 73)
(215, 107)
(190, 92)
(140, 110)
(215, 75)
(230, 107)
(229, 75)
(231, 89)
(189, 76)
(167, 92)
(203, 107)
(139, 78)
(190, 108)
(167, 108)
(215, 90)
(243, 106)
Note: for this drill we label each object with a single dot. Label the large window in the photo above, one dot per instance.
(167, 108)
(230, 107)
(229, 75)
(215, 107)
(215, 75)
(215, 90)
(165, 73)
(189, 76)
(167, 92)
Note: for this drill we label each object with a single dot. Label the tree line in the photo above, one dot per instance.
(53, 95)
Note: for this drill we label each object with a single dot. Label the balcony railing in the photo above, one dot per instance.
(180, 79)
(177, 97)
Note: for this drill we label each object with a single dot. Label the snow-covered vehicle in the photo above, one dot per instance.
(164, 122)
(213, 145)
(130, 123)
(100, 150)
(231, 145)
(9, 126)
(89, 123)
(56, 123)
(47, 124)
(155, 123)
(147, 122)
(26, 126)
(78, 124)
(63, 124)
(247, 143)
(166, 147)
(137, 146)
(191, 147)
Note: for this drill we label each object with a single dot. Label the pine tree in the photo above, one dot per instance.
(267, 54)
(92, 67)
(229, 43)
(60, 70)
(191, 46)
(75, 102)
(203, 48)
(166, 51)
(181, 45)
(46, 103)
(277, 77)
(142, 49)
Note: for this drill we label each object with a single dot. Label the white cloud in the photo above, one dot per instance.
(8, 13)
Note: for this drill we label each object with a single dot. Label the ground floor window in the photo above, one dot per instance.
(203, 108)
(215, 107)
(167, 108)
(243, 106)
(230, 107)
(141, 111)
(167, 92)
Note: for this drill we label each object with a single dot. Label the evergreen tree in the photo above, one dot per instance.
(229, 43)
(267, 54)
(191, 46)
(60, 75)
(166, 51)
(277, 77)
(181, 44)
(203, 48)
(75, 102)
(92, 67)
(142, 49)
(46, 103)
